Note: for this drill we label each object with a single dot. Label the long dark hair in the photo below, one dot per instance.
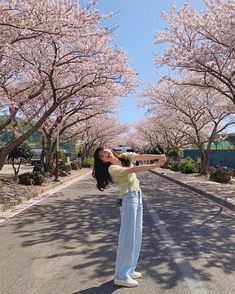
(100, 170)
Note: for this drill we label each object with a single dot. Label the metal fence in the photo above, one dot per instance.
(217, 157)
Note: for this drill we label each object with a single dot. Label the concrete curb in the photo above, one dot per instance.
(218, 199)
(20, 199)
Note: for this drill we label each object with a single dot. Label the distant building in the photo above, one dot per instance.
(227, 142)
(222, 145)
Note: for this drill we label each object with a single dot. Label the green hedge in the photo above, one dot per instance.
(187, 166)
(88, 162)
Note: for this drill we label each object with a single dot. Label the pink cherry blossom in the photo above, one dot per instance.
(52, 53)
(202, 44)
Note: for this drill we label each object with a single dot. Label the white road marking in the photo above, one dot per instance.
(190, 276)
(5, 215)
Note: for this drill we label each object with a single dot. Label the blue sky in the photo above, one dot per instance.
(137, 22)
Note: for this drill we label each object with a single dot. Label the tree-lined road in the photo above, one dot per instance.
(67, 243)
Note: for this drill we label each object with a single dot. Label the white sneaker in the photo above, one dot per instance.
(130, 283)
(135, 275)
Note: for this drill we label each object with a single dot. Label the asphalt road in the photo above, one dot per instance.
(66, 244)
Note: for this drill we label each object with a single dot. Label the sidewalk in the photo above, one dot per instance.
(223, 194)
(12, 193)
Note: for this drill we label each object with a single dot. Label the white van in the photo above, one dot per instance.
(121, 148)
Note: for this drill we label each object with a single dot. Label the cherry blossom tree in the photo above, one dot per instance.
(162, 132)
(98, 131)
(202, 46)
(198, 114)
(146, 136)
(51, 52)
(72, 113)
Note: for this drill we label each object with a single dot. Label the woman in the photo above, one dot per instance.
(110, 167)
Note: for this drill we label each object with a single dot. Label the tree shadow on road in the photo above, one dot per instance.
(201, 228)
(82, 223)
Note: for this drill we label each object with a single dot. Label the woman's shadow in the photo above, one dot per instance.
(106, 288)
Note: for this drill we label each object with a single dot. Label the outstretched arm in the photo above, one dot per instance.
(149, 156)
(142, 168)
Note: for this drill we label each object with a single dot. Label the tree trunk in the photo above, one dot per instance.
(176, 155)
(5, 150)
(48, 153)
(43, 154)
(16, 169)
(3, 155)
(205, 157)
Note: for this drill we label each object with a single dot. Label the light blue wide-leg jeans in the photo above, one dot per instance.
(130, 235)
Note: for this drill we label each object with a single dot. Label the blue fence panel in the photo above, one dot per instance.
(217, 157)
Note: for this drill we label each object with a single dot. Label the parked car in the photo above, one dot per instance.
(121, 148)
(36, 159)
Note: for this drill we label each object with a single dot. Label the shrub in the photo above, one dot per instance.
(220, 175)
(18, 155)
(168, 163)
(88, 162)
(171, 164)
(40, 169)
(34, 178)
(38, 178)
(65, 167)
(63, 173)
(175, 166)
(172, 153)
(62, 154)
(187, 166)
(74, 165)
(21, 152)
(26, 179)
